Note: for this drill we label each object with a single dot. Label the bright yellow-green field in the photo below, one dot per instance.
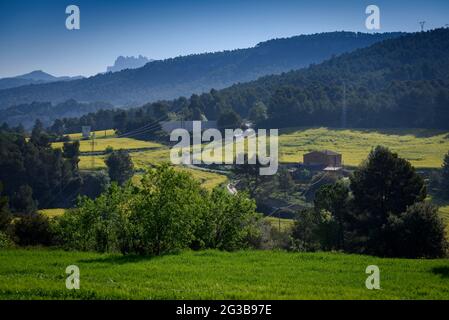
(286, 224)
(423, 148)
(51, 213)
(116, 143)
(141, 159)
(208, 180)
(98, 134)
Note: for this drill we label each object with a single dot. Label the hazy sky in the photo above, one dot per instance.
(33, 34)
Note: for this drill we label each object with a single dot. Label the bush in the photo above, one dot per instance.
(5, 241)
(419, 233)
(95, 225)
(94, 184)
(229, 222)
(5, 214)
(305, 233)
(168, 211)
(165, 212)
(34, 229)
(109, 150)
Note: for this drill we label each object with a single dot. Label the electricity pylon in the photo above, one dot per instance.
(422, 23)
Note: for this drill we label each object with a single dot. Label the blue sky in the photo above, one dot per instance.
(33, 34)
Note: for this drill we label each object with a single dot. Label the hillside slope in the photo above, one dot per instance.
(166, 79)
(401, 82)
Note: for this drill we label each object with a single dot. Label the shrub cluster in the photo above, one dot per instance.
(167, 211)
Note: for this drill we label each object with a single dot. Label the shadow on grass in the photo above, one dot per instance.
(441, 271)
(122, 259)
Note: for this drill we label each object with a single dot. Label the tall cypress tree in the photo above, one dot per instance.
(445, 176)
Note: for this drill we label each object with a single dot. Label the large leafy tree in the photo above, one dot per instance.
(334, 199)
(419, 233)
(383, 187)
(71, 151)
(120, 166)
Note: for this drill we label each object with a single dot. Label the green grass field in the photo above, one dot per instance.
(40, 274)
(423, 148)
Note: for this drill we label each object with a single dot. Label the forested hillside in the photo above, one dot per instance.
(400, 82)
(26, 114)
(171, 78)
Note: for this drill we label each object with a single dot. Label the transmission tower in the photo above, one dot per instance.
(422, 23)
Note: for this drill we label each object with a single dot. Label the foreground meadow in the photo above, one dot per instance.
(40, 274)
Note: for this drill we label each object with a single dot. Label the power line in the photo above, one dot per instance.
(148, 126)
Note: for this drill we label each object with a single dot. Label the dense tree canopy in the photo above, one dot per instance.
(32, 172)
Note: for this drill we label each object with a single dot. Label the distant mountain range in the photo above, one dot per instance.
(34, 77)
(182, 76)
(122, 63)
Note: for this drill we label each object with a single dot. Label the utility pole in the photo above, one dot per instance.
(92, 144)
(422, 23)
(344, 108)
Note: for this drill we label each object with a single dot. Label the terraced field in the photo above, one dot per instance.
(115, 143)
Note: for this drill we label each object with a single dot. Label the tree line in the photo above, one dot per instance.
(383, 211)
